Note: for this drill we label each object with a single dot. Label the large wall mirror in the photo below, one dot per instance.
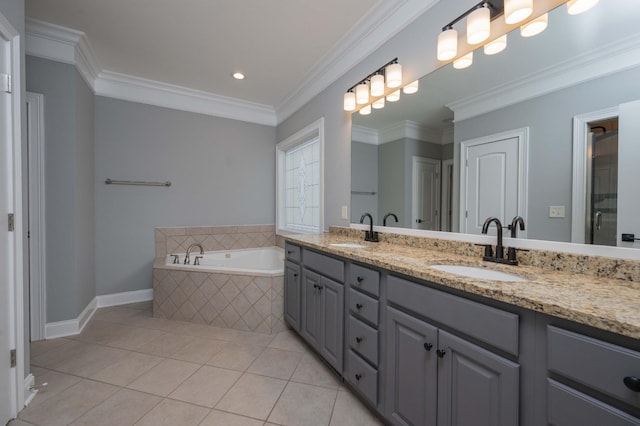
(548, 129)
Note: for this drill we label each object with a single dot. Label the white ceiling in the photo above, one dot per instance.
(198, 44)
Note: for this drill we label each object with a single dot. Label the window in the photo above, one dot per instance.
(300, 180)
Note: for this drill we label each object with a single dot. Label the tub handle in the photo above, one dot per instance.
(196, 261)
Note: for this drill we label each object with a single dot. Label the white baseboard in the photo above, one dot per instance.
(29, 381)
(125, 298)
(72, 327)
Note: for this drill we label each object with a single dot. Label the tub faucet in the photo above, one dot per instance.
(369, 235)
(499, 256)
(384, 220)
(186, 258)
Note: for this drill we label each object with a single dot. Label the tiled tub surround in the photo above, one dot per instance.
(606, 303)
(242, 301)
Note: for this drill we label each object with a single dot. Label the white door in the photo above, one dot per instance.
(425, 199)
(6, 253)
(495, 183)
(628, 173)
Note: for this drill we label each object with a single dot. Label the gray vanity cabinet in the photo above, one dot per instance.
(292, 293)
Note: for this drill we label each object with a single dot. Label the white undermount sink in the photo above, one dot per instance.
(347, 245)
(480, 273)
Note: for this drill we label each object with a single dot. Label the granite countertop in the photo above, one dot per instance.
(608, 304)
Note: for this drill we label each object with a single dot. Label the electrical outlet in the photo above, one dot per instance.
(556, 211)
(344, 212)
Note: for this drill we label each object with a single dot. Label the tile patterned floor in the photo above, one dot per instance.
(128, 368)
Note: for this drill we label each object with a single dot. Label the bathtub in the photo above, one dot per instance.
(265, 261)
(240, 289)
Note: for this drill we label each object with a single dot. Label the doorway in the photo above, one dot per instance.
(425, 200)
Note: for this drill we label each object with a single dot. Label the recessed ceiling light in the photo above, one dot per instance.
(238, 76)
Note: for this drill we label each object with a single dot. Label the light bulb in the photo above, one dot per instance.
(393, 73)
(349, 101)
(478, 25)
(463, 61)
(575, 7)
(535, 26)
(365, 110)
(517, 10)
(362, 93)
(377, 85)
(379, 104)
(447, 44)
(411, 87)
(394, 97)
(496, 46)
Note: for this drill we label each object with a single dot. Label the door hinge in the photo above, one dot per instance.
(11, 223)
(466, 214)
(5, 83)
(13, 358)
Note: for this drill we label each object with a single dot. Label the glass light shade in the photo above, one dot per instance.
(377, 85)
(575, 7)
(366, 110)
(411, 87)
(478, 25)
(463, 61)
(517, 10)
(394, 75)
(349, 101)
(394, 97)
(379, 104)
(447, 45)
(535, 26)
(362, 93)
(496, 46)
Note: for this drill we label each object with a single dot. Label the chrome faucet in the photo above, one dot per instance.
(191, 247)
(369, 235)
(511, 252)
(384, 220)
(499, 256)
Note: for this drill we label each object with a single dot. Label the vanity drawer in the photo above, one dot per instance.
(581, 359)
(327, 266)
(365, 279)
(484, 323)
(363, 377)
(364, 306)
(363, 339)
(292, 252)
(568, 407)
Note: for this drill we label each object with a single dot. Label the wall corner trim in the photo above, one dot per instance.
(71, 327)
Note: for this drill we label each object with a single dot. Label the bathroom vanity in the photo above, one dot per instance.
(423, 347)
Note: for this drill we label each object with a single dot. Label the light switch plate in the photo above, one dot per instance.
(556, 211)
(344, 212)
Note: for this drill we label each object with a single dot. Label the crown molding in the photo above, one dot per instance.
(380, 24)
(364, 135)
(608, 59)
(401, 130)
(136, 89)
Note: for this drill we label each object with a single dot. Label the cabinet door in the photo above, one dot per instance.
(292, 294)
(475, 386)
(332, 322)
(310, 310)
(411, 368)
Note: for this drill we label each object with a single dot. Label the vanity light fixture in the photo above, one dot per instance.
(350, 101)
(378, 104)
(574, 7)
(447, 44)
(479, 24)
(496, 46)
(463, 61)
(372, 89)
(366, 110)
(517, 10)
(377, 85)
(393, 73)
(238, 75)
(535, 26)
(362, 93)
(411, 87)
(394, 97)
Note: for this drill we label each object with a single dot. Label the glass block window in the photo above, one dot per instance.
(300, 179)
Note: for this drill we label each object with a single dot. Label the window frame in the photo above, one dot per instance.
(313, 130)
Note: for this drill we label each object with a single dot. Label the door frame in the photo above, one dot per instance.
(37, 222)
(446, 193)
(522, 134)
(579, 177)
(415, 159)
(15, 274)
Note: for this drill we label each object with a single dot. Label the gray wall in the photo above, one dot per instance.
(364, 177)
(391, 180)
(69, 171)
(550, 122)
(222, 173)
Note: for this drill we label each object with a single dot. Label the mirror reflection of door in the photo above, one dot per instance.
(603, 195)
(426, 194)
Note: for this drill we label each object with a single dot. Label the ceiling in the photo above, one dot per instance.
(198, 44)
